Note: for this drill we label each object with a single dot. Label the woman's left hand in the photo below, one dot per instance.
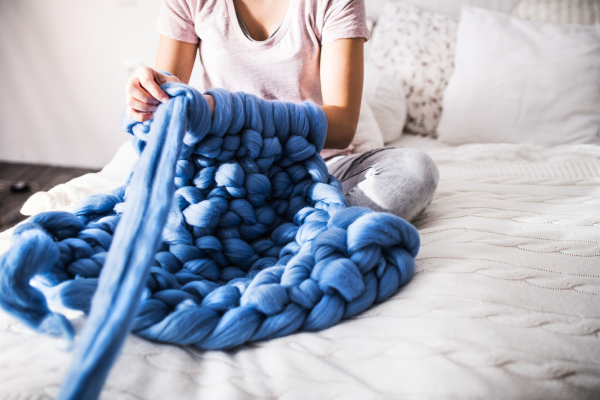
(211, 103)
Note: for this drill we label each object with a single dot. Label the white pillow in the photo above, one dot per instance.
(517, 81)
(385, 97)
(368, 135)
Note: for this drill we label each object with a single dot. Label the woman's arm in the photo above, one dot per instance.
(176, 58)
(143, 91)
(342, 72)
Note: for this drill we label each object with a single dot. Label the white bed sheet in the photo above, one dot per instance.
(505, 301)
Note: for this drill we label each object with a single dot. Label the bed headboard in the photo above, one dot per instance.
(450, 7)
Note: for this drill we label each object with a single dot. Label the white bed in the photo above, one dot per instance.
(504, 302)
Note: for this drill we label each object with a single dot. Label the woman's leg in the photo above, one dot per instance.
(395, 180)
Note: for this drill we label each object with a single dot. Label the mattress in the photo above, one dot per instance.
(504, 303)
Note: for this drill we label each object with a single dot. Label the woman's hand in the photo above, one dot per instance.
(144, 94)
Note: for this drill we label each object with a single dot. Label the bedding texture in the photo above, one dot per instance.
(229, 231)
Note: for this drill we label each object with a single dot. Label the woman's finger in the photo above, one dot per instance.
(135, 90)
(140, 106)
(211, 103)
(147, 82)
(138, 116)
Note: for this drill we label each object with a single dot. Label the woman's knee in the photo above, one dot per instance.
(419, 170)
(401, 181)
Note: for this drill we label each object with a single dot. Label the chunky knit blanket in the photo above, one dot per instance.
(229, 230)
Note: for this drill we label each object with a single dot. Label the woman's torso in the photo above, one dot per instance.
(283, 67)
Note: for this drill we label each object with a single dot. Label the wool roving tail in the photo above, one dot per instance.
(230, 230)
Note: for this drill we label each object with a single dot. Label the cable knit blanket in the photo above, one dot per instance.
(503, 303)
(230, 230)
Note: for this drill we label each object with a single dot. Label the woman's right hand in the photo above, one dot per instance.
(144, 94)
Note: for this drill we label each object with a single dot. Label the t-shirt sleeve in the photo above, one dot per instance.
(176, 20)
(344, 19)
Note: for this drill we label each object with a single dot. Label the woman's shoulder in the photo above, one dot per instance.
(177, 18)
(337, 19)
(326, 4)
(194, 7)
(327, 8)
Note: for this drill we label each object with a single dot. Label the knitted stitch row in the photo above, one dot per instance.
(230, 230)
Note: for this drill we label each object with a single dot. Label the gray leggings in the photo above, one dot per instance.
(396, 180)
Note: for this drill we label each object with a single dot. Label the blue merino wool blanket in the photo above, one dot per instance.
(229, 230)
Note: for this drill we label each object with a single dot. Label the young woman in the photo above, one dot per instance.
(289, 50)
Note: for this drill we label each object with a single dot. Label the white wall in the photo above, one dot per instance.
(63, 75)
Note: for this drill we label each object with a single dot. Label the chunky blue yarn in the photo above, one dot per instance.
(229, 231)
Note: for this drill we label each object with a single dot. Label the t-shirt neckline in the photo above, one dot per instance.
(263, 44)
(245, 30)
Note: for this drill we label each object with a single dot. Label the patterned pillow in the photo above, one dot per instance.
(416, 47)
(582, 12)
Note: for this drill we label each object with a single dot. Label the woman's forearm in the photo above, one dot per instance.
(341, 127)
(176, 58)
(341, 84)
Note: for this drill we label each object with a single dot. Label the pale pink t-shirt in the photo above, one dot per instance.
(284, 67)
